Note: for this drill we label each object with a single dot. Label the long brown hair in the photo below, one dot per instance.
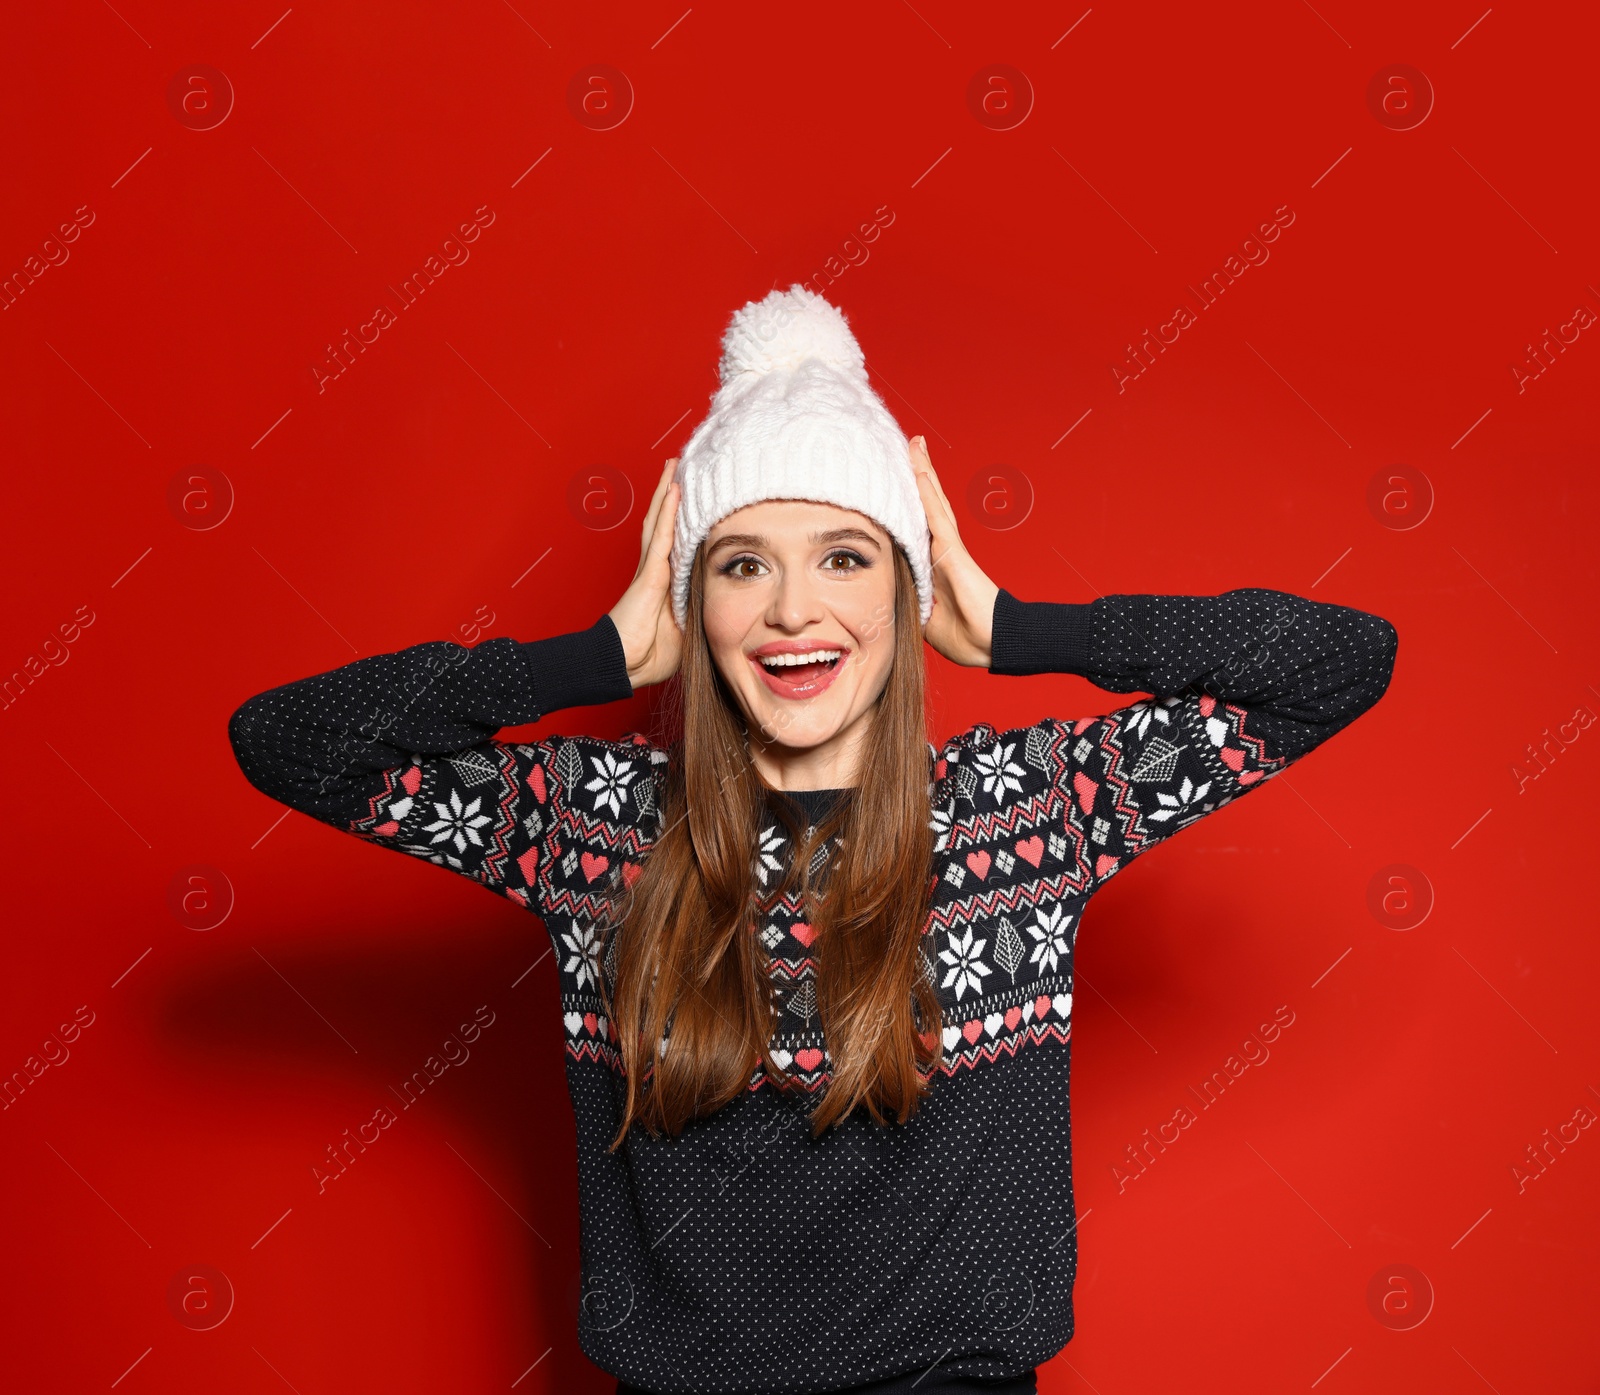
(691, 1000)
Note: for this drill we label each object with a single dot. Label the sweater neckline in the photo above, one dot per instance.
(814, 804)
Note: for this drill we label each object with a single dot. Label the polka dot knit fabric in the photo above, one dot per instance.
(747, 1255)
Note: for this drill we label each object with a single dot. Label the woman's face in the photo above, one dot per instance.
(799, 616)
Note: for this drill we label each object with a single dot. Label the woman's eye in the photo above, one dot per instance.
(744, 567)
(843, 561)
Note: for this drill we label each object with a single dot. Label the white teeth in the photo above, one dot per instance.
(814, 656)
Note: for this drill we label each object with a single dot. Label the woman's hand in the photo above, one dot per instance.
(651, 639)
(961, 626)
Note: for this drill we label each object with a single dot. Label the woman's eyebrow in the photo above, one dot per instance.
(838, 535)
(739, 540)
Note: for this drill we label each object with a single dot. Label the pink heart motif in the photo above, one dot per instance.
(808, 1058)
(591, 1022)
(803, 932)
(1232, 757)
(593, 866)
(972, 1031)
(1032, 849)
(630, 873)
(536, 783)
(411, 781)
(1013, 1016)
(529, 863)
(979, 862)
(1041, 1005)
(1084, 788)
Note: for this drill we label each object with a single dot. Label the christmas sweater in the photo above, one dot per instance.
(745, 1254)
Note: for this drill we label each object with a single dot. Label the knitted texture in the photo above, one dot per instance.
(795, 418)
(746, 1255)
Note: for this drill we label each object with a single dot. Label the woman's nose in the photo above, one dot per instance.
(796, 601)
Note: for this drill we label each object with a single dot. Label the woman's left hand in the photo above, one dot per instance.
(961, 626)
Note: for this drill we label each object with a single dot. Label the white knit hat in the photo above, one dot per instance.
(795, 418)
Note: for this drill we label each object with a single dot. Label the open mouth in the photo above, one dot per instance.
(794, 672)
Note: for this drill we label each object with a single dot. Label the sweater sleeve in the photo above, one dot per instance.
(1242, 684)
(400, 749)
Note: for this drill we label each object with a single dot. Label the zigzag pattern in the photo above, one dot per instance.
(598, 832)
(603, 1053)
(1123, 800)
(391, 778)
(1031, 812)
(506, 823)
(989, 904)
(1009, 1045)
(1269, 763)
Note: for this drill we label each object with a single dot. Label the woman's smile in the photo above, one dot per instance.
(799, 668)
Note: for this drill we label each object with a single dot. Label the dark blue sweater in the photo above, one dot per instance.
(747, 1255)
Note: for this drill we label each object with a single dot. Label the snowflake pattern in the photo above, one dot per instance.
(1053, 936)
(1138, 718)
(967, 969)
(767, 861)
(458, 823)
(1189, 794)
(1000, 773)
(610, 784)
(583, 945)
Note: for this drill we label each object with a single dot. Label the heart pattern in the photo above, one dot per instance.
(979, 863)
(808, 1058)
(593, 865)
(803, 932)
(1032, 849)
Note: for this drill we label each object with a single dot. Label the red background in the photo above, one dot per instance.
(414, 493)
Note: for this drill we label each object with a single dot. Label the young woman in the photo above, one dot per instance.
(816, 975)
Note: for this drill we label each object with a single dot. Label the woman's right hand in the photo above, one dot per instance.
(651, 639)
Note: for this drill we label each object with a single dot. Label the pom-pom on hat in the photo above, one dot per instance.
(795, 418)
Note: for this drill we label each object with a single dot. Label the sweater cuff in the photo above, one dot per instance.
(1040, 636)
(582, 669)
